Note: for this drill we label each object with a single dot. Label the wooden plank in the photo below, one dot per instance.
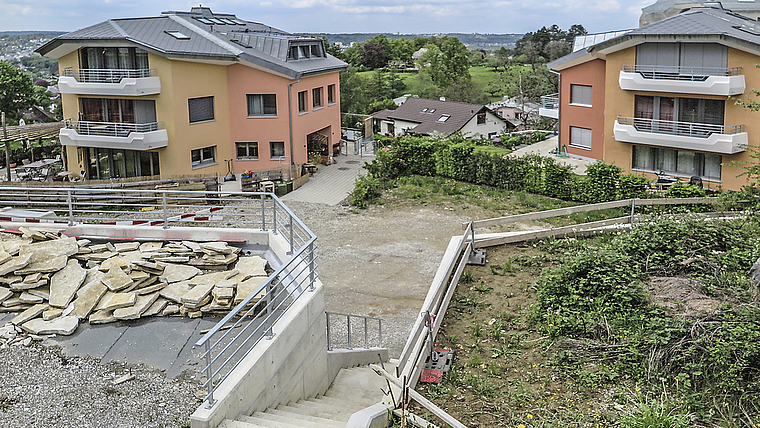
(424, 402)
(676, 201)
(550, 213)
(573, 230)
(415, 420)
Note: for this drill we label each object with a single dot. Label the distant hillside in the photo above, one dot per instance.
(469, 39)
(25, 33)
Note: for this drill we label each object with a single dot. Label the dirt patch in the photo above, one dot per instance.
(682, 295)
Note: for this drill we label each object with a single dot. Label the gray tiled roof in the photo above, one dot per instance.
(411, 111)
(244, 41)
(664, 5)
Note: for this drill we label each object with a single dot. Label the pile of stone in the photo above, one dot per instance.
(56, 282)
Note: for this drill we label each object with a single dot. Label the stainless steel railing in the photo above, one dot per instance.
(105, 75)
(348, 327)
(110, 129)
(550, 102)
(681, 72)
(690, 129)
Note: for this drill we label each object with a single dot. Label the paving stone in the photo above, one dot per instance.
(101, 256)
(138, 275)
(172, 259)
(46, 249)
(5, 294)
(158, 286)
(212, 278)
(20, 286)
(194, 246)
(86, 301)
(175, 291)
(251, 266)
(223, 292)
(248, 287)
(12, 301)
(10, 279)
(151, 246)
(43, 292)
(4, 256)
(170, 310)
(12, 246)
(61, 325)
(33, 278)
(30, 313)
(83, 242)
(149, 267)
(99, 248)
(103, 300)
(213, 261)
(41, 264)
(215, 306)
(15, 263)
(142, 303)
(65, 283)
(102, 317)
(51, 313)
(156, 308)
(216, 247)
(116, 279)
(117, 261)
(123, 247)
(120, 300)
(193, 303)
(30, 298)
(175, 273)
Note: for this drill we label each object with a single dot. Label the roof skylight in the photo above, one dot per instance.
(444, 118)
(177, 35)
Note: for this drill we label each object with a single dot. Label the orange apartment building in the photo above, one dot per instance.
(662, 98)
(182, 93)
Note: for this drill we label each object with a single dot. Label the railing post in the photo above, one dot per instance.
(209, 375)
(348, 319)
(270, 302)
(263, 214)
(274, 216)
(71, 207)
(290, 226)
(329, 344)
(166, 215)
(366, 344)
(633, 209)
(311, 266)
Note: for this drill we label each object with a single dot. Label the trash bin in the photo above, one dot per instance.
(290, 186)
(281, 189)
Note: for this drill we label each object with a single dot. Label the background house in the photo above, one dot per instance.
(427, 117)
(183, 92)
(661, 98)
(519, 112)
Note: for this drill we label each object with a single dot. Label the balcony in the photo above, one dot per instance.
(125, 83)
(684, 80)
(703, 137)
(110, 135)
(549, 106)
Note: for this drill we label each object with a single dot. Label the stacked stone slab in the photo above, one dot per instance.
(54, 282)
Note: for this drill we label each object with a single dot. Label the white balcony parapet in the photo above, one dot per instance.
(686, 80)
(109, 82)
(549, 106)
(111, 135)
(703, 137)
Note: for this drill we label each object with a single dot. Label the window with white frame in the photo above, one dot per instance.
(247, 150)
(262, 105)
(580, 137)
(580, 95)
(330, 94)
(316, 97)
(203, 157)
(201, 109)
(277, 149)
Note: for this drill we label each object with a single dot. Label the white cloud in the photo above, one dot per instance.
(607, 5)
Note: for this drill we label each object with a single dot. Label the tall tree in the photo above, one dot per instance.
(448, 63)
(16, 90)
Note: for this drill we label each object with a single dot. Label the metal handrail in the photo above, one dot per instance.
(550, 102)
(110, 129)
(349, 342)
(681, 72)
(106, 75)
(671, 127)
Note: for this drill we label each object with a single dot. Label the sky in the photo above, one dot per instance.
(344, 16)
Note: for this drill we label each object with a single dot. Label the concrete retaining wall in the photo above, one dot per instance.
(289, 367)
(345, 358)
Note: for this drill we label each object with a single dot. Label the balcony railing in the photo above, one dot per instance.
(550, 102)
(688, 129)
(110, 129)
(694, 74)
(93, 75)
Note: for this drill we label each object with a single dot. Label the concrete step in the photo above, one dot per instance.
(302, 417)
(359, 385)
(320, 410)
(290, 420)
(231, 423)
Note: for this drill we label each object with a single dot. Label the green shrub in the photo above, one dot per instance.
(600, 185)
(679, 189)
(366, 189)
(633, 186)
(558, 181)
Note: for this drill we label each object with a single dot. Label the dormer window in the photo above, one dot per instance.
(305, 51)
(177, 35)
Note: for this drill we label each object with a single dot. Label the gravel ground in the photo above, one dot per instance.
(377, 262)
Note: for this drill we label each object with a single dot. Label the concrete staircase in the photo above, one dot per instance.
(352, 390)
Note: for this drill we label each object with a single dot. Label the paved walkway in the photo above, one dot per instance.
(544, 147)
(332, 183)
